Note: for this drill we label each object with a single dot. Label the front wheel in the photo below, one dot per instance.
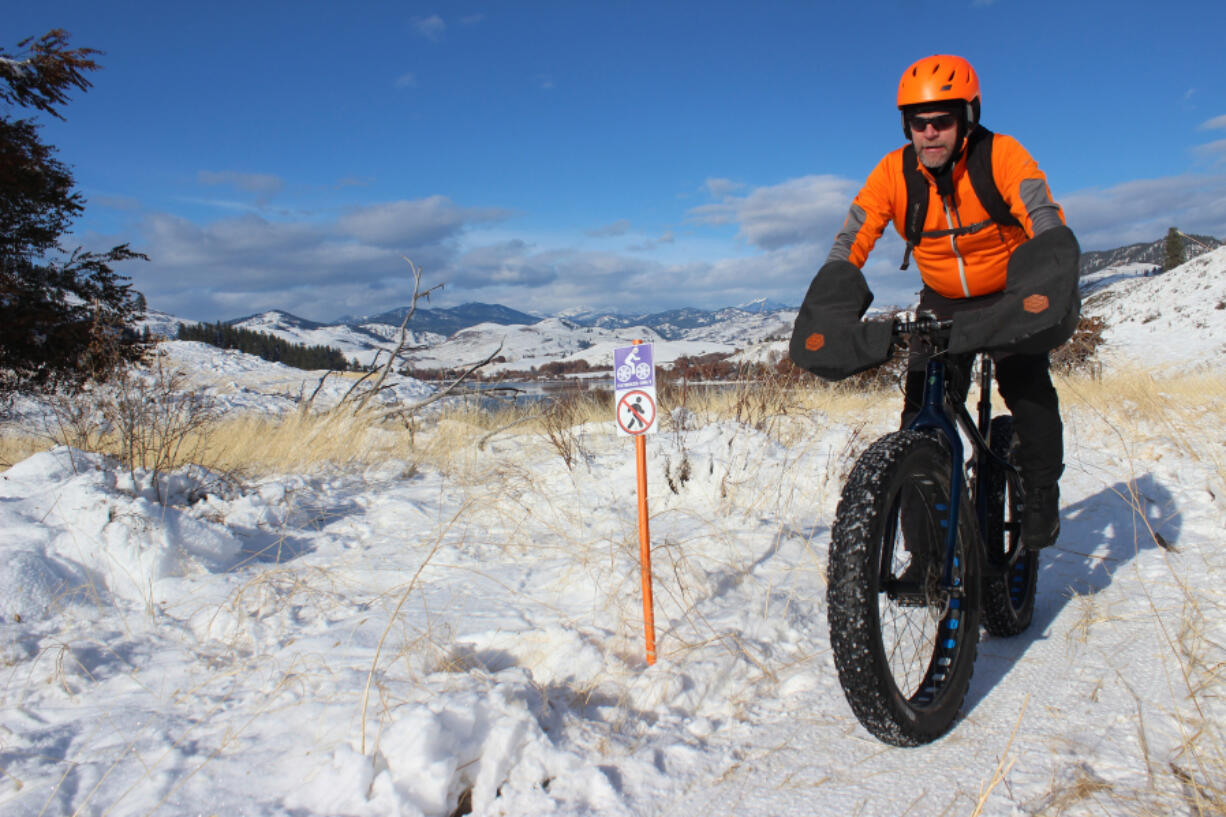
(1009, 589)
(904, 645)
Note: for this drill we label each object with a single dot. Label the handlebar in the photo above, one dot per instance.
(925, 323)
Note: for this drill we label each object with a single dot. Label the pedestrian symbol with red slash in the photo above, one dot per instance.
(636, 412)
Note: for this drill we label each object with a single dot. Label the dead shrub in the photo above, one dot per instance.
(1079, 355)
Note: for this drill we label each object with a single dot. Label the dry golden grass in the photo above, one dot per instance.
(1189, 410)
(16, 447)
(1181, 402)
(1135, 405)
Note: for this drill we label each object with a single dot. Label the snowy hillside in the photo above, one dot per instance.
(523, 345)
(358, 343)
(556, 339)
(162, 325)
(241, 382)
(1173, 321)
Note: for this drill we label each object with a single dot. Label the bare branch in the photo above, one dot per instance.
(450, 389)
(319, 386)
(481, 443)
(418, 294)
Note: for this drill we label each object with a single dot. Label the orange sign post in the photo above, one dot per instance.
(635, 400)
(649, 615)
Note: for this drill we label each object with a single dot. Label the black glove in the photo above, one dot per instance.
(1040, 305)
(829, 339)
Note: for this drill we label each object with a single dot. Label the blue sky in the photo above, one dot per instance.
(627, 156)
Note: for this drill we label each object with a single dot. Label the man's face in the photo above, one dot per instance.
(935, 136)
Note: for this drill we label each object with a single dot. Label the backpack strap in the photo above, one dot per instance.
(917, 202)
(979, 166)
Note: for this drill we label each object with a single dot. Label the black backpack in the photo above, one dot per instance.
(979, 166)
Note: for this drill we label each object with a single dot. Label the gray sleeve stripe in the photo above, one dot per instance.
(1044, 214)
(841, 251)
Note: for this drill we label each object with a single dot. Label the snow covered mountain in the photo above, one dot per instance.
(445, 320)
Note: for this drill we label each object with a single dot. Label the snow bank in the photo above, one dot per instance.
(102, 530)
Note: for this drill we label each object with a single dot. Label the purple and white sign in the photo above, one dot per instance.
(633, 367)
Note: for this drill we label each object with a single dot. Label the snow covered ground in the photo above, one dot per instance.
(405, 639)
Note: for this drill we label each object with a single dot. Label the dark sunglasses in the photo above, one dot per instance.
(944, 121)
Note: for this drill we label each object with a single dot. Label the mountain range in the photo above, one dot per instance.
(455, 336)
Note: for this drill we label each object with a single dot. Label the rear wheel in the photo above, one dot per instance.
(1008, 596)
(904, 646)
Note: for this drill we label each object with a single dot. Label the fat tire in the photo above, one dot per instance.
(1008, 598)
(860, 613)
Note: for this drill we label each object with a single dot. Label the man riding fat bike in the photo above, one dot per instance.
(993, 253)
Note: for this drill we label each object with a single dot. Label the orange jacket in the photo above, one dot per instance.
(959, 266)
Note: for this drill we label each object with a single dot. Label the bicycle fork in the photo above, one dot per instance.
(933, 415)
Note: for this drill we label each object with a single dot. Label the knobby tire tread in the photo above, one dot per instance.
(1008, 599)
(857, 540)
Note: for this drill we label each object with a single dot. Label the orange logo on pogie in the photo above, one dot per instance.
(1035, 304)
(815, 342)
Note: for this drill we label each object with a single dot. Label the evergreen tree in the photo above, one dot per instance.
(65, 318)
(269, 347)
(1173, 254)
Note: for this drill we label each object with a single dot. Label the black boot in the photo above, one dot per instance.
(1041, 517)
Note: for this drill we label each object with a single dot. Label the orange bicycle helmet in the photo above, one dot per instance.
(936, 79)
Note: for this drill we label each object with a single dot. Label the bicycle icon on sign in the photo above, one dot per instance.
(633, 367)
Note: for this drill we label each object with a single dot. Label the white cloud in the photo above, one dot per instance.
(432, 27)
(810, 209)
(353, 264)
(126, 203)
(1215, 150)
(1142, 210)
(1214, 123)
(619, 227)
(318, 270)
(408, 80)
(718, 188)
(413, 223)
(665, 239)
(262, 184)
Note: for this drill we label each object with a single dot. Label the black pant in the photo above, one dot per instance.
(1024, 382)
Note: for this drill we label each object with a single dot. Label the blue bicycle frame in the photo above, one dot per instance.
(935, 414)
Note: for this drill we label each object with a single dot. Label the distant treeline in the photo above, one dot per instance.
(266, 346)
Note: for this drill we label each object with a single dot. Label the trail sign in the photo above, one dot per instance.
(634, 389)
